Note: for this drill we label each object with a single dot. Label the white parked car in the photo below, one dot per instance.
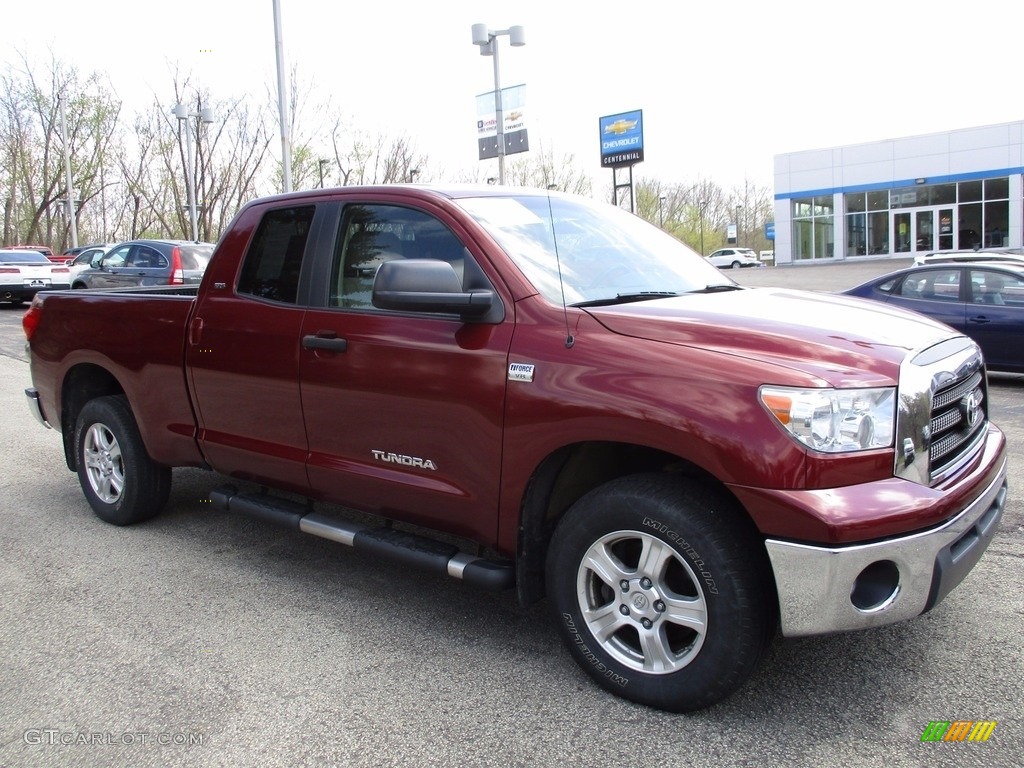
(734, 258)
(1010, 255)
(90, 257)
(23, 274)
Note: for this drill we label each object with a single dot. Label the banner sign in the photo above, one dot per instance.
(513, 102)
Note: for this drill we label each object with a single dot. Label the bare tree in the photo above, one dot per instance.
(541, 169)
(32, 147)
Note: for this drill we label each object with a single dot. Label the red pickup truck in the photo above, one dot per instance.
(535, 391)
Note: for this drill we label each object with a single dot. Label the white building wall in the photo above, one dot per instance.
(985, 151)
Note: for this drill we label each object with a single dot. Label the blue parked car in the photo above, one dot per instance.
(982, 300)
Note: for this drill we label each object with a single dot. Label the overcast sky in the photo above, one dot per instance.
(723, 85)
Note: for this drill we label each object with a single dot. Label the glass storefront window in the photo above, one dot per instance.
(997, 217)
(942, 194)
(970, 191)
(813, 227)
(878, 201)
(878, 232)
(997, 189)
(856, 234)
(968, 214)
(969, 225)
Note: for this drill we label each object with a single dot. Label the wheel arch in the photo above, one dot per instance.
(82, 383)
(569, 473)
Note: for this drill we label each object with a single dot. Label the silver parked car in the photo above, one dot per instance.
(147, 262)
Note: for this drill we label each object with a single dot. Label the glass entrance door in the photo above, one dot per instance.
(923, 230)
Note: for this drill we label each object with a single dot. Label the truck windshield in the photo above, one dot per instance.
(581, 252)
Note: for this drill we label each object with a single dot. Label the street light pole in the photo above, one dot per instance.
(487, 39)
(67, 173)
(738, 227)
(322, 164)
(204, 115)
(703, 206)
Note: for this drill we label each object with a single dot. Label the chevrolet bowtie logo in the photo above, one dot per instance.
(620, 126)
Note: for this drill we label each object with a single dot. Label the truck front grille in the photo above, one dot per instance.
(943, 411)
(959, 417)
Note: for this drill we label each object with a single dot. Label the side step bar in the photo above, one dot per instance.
(407, 548)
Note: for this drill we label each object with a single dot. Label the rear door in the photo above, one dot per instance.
(403, 411)
(995, 317)
(145, 266)
(243, 350)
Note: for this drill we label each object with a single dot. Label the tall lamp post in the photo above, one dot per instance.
(204, 115)
(703, 205)
(323, 164)
(487, 39)
(738, 227)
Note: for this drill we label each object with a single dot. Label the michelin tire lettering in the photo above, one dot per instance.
(689, 551)
(588, 654)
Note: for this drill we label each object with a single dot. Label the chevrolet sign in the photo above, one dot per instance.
(622, 139)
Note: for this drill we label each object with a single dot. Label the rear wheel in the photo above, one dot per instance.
(662, 591)
(736, 265)
(121, 482)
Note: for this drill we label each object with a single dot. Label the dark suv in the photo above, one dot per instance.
(148, 262)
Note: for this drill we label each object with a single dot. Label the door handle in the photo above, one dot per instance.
(322, 340)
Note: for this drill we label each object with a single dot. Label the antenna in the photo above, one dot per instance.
(569, 340)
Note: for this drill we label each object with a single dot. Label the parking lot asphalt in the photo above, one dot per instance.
(201, 638)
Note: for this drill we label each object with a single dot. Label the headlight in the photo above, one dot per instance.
(835, 420)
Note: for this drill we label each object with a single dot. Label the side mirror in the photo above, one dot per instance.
(430, 285)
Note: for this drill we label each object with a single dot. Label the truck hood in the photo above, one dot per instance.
(841, 340)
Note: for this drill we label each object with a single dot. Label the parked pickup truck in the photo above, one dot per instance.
(578, 405)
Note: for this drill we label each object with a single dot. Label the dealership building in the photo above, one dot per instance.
(900, 197)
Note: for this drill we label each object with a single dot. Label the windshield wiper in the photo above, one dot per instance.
(720, 288)
(626, 298)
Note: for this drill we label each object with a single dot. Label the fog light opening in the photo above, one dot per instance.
(876, 586)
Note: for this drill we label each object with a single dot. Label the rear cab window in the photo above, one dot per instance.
(273, 261)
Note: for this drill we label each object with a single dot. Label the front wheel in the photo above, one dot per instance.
(121, 482)
(662, 591)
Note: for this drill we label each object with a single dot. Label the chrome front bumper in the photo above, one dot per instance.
(833, 589)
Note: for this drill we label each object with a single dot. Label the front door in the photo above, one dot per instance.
(404, 411)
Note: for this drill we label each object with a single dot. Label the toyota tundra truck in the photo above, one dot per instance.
(533, 391)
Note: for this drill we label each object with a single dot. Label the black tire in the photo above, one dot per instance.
(662, 591)
(121, 482)
(736, 265)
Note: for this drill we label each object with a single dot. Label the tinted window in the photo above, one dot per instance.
(23, 257)
(373, 234)
(195, 256)
(144, 257)
(996, 288)
(274, 260)
(935, 284)
(116, 257)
